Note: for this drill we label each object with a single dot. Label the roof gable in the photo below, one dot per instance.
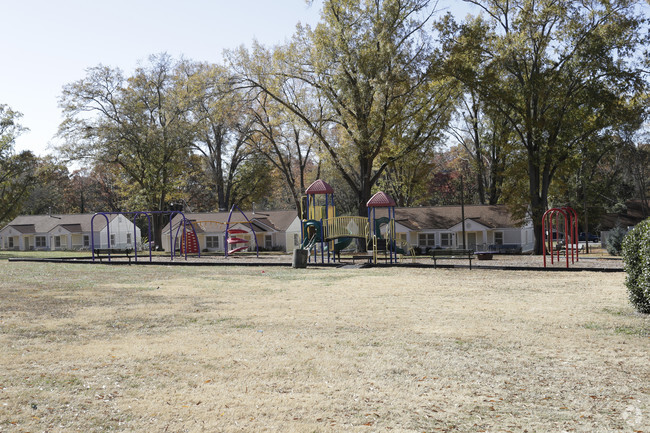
(24, 228)
(73, 228)
(470, 225)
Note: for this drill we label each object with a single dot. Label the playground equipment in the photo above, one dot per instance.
(570, 218)
(232, 236)
(381, 199)
(324, 232)
(135, 215)
(185, 234)
(234, 240)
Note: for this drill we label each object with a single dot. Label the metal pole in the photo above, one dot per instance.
(462, 208)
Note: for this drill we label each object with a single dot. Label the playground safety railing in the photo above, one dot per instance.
(346, 226)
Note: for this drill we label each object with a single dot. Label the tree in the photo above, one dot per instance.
(92, 189)
(222, 117)
(484, 135)
(48, 195)
(560, 73)
(281, 137)
(637, 154)
(407, 181)
(17, 177)
(138, 125)
(370, 65)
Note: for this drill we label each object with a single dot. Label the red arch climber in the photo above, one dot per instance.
(570, 219)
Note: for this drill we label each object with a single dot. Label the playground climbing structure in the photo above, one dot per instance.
(325, 234)
(235, 239)
(562, 237)
(388, 244)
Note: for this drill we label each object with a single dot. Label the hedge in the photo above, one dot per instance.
(636, 261)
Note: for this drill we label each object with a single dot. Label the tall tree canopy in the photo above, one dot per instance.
(285, 142)
(138, 125)
(369, 64)
(561, 73)
(222, 118)
(17, 171)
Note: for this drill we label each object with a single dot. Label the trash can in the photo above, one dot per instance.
(300, 258)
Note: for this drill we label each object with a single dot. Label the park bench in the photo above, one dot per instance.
(452, 254)
(113, 252)
(362, 256)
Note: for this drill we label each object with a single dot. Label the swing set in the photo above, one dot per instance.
(188, 235)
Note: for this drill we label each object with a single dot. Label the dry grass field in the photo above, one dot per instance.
(91, 348)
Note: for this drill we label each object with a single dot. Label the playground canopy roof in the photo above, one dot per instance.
(319, 187)
(381, 199)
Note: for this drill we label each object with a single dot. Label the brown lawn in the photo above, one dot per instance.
(91, 348)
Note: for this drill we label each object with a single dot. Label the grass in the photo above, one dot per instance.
(93, 348)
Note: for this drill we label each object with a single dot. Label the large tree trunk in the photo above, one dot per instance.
(365, 165)
(158, 221)
(537, 200)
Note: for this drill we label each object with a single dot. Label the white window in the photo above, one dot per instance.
(427, 239)
(445, 239)
(128, 238)
(268, 242)
(86, 241)
(10, 240)
(112, 240)
(57, 241)
(212, 241)
(39, 242)
(498, 238)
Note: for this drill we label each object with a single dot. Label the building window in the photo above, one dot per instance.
(498, 238)
(212, 242)
(86, 241)
(268, 242)
(128, 238)
(10, 241)
(39, 242)
(427, 239)
(112, 240)
(296, 239)
(445, 239)
(57, 241)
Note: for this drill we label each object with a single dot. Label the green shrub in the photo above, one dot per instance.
(614, 240)
(636, 260)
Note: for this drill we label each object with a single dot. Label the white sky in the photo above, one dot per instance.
(50, 43)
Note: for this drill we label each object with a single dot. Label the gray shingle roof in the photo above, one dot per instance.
(445, 217)
(75, 223)
(278, 220)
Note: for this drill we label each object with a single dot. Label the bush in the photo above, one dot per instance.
(614, 240)
(636, 260)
